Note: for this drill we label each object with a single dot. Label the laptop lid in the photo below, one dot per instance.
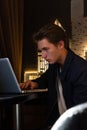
(8, 80)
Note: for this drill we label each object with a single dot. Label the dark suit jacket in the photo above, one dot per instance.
(74, 83)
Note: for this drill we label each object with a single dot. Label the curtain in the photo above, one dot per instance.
(11, 33)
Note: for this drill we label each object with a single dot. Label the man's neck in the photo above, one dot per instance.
(63, 57)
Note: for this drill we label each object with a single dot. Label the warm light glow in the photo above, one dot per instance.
(30, 75)
(30, 71)
(42, 67)
(42, 64)
(58, 23)
(86, 54)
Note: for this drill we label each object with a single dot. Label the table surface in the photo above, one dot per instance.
(20, 98)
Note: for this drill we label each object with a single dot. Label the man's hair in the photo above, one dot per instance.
(53, 33)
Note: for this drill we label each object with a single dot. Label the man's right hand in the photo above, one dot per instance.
(28, 85)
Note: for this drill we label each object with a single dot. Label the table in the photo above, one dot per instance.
(15, 100)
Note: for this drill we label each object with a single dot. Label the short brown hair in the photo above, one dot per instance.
(53, 33)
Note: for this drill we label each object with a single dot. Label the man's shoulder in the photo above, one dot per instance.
(76, 58)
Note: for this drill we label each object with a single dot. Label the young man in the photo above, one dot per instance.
(66, 77)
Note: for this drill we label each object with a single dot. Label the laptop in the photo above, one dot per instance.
(8, 80)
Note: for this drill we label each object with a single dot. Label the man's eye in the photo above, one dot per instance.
(46, 49)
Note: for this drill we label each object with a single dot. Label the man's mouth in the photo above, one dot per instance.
(47, 60)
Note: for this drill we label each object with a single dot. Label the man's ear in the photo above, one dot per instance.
(61, 44)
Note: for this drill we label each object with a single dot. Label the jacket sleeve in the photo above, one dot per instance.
(43, 80)
(80, 87)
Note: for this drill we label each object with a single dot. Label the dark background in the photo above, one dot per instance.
(36, 14)
(19, 19)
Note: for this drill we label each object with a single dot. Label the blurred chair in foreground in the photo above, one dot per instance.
(74, 118)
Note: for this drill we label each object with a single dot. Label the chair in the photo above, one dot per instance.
(74, 118)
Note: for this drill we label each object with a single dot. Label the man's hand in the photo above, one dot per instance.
(29, 85)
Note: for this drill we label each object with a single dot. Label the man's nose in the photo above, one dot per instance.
(43, 55)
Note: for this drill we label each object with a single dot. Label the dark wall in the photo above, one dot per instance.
(36, 14)
(85, 8)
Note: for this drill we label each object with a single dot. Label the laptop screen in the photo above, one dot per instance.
(8, 80)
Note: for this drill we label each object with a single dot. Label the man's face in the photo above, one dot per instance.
(49, 51)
